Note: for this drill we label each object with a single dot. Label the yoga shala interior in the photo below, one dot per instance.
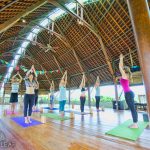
(75, 74)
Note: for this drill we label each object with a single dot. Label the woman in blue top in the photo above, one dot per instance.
(31, 85)
(52, 88)
(14, 91)
(62, 94)
(97, 93)
(83, 96)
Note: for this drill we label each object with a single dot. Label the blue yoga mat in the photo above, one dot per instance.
(20, 121)
(36, 111)
(50, 109)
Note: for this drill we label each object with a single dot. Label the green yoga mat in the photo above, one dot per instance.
(55, 116)
(123, 131)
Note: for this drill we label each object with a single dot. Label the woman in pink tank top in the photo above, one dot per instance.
(126, 76)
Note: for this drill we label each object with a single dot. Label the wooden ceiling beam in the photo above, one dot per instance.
(65, 41)
(8, 24)
(76, 57)
(74, 52)
(8, 5)
(93, 29)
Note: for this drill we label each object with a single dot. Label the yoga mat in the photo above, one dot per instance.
(50, 109)
(55, 116)
(20, 121)
(35, 111)
(8, 112)
(77, 112)
(123, 131)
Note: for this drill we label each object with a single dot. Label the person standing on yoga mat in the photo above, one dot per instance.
(97, 94)
(82, 96)
(31, 84)
(36, 91)
(129, 95)
(52, 88)
(14, 91)
(62, 94)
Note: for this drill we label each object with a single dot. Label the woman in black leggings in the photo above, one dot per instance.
(30, 94)
(126, 77)
(83, 96)
(36, 91)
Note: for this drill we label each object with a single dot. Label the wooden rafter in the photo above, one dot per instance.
(8, 24)
(91, 28)
(8, 5)
(65, 41)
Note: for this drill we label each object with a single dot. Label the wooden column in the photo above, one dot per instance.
(140, 17)
(69, 98)
(4, 95)
(116, 95)
(89, 93)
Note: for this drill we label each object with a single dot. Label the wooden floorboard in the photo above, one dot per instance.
(82, 133)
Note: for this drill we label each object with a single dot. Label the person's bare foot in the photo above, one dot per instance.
(26, 121)
(62, 114)
(29, 120)
(134, 126)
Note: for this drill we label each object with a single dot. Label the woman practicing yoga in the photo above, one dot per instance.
(29, 96)
(97, 93)
(14, 91)
(62, 94)
(36, 91)
(83, 96)
(129, 95)
(52, 88)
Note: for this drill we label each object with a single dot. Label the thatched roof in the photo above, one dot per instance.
(110, 19)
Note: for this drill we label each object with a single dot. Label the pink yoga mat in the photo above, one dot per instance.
(8, 112)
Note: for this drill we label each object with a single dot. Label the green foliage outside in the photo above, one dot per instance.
(105, 101)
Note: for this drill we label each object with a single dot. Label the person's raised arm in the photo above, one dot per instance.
(97, 81)
(34, 71)
(12, 79)
(27, 74)
(63, 78)
(123, 74)
(20, 80)
(53, 85)
(84, 78)
(66, 78)
(82, 82)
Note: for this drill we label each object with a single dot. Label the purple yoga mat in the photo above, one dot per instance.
(20, 121)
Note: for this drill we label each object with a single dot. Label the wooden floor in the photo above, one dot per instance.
(83, 133)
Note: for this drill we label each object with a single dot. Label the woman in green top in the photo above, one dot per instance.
(14, 91)
(62, 94)
(97, 94)
(52, 88)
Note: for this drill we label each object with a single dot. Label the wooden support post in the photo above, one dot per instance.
(4, 95)
(116, 95)
(69, 98)
(140, 17)
(89, 93)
